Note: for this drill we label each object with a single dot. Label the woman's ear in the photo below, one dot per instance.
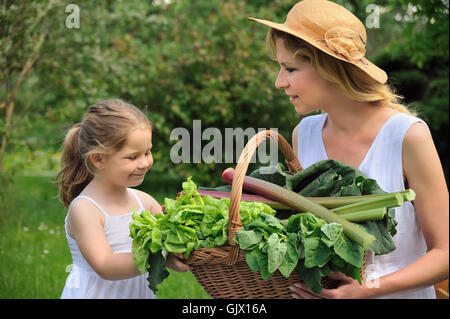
(96, 160)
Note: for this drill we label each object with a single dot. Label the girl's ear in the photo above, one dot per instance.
(97, 160)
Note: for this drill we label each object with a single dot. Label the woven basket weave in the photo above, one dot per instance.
(223, 271)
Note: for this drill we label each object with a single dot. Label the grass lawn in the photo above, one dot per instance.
(34, 254)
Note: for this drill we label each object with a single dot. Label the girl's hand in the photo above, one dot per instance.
(349, 288)
(176, 263)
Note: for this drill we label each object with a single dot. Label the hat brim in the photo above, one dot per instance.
(368, 67)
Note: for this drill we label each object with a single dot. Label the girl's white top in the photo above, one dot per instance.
(84, 282)
(383, 162)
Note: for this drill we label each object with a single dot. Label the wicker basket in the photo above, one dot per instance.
(223, 272)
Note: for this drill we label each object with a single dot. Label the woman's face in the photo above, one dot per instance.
(300, 81)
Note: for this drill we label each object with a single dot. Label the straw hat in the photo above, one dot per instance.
(332, 29)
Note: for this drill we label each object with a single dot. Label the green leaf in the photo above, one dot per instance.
(251, 256)
(248, 239)
(140, 253)
(276, 252)
(156, 240)
(192, 222)
(277, 177)
(331, 232)
(338, 262)
(383, 231)
(316, 252)
(263, 266)
(311, 277)
(292, 256)
(349, 251)
(157, 270)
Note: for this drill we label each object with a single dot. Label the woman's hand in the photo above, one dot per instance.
(174, 262)
(349, 288)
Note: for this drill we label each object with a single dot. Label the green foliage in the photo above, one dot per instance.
(181, 61)
(268, 246)
(417, 62)
(330, 178)
(425, 35)
(202, 60)
(307, 243)
(190, 222)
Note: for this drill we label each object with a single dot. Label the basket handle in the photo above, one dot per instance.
(291, 161)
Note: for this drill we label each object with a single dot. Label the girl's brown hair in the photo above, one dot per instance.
(104, 129)
(349, 79)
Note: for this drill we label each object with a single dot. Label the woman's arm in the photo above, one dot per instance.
(295, 140)
(424, 174)
(86, 227)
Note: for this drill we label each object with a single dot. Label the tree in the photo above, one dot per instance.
(418, 64)
(25, 26)
(186, 60)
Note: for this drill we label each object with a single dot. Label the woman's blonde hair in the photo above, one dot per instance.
(349, 79)
(104, 129)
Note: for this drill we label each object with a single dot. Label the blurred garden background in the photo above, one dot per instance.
(178, 60)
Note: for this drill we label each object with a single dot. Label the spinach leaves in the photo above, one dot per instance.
(268, 246)
(307, 243)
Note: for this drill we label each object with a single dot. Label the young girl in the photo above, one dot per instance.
(103, 156)
(320, 49)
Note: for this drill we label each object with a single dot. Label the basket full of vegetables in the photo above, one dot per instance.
(295, 226)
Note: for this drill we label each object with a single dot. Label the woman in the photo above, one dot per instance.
(321, 49)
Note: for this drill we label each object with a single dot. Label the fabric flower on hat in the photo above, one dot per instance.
(346, 42)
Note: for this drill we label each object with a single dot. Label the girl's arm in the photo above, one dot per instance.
(149, 202)
(424, 174)
(85, 224)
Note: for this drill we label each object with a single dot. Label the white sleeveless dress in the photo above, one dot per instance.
(83, 282)
(383, 162)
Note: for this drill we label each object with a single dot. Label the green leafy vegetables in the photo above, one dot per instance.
(191, 222)
(285, 240)
(307, 243)
(333, 179)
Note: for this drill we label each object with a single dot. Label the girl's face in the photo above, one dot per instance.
(300, 81)
(128, 166)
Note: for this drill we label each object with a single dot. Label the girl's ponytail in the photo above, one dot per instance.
(74, 174)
